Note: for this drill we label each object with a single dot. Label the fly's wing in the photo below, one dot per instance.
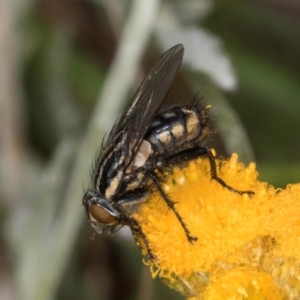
(139, 114)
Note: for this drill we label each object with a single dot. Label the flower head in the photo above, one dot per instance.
(247, 247)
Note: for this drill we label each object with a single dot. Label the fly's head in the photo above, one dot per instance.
(99, 211)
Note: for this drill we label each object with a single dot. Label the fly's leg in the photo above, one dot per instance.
(137, 231)
(187, 155)
(194, 153)
(171, 205)
(135, 227)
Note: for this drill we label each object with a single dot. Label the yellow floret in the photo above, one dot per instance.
(247, 248)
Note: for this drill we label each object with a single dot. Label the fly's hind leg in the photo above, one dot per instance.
(194, 153)
(187, 155)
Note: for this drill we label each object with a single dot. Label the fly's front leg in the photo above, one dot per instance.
(133, 199)
(194, 153)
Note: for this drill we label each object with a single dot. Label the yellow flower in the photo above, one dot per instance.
(247, 248)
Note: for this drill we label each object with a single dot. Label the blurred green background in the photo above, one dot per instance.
(67, 70)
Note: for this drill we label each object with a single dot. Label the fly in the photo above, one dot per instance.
(143, 141)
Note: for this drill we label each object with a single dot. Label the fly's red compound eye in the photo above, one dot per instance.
(100, 215)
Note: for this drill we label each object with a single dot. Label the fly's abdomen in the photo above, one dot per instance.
(178, 128)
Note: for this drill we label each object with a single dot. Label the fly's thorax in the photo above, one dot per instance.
(178, 128)
(109, 167)
(136, 173)
(133, 181)
(115, 176)
(141, 157)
